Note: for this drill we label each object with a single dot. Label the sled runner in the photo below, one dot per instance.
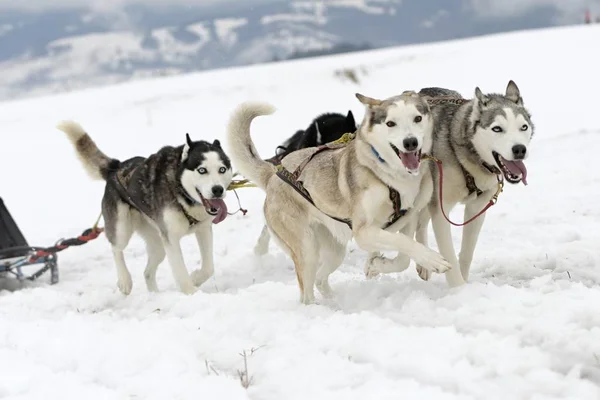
(16, 254)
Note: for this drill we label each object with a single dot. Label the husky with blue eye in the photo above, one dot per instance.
(172, 193)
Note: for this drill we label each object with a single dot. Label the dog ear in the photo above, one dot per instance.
(513, 93)
(479, 102)
(482, 99)
(368, 101)
(217, 143)
(350, 119)
(186, 147)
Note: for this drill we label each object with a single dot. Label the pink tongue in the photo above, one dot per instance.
(220, 205)
(517, 168)
(410, 160)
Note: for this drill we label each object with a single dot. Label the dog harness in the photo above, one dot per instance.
(292, 179)
(469, 179)
(113, 179)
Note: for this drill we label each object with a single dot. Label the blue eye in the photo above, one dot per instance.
(222, 170)
(202, 171)
(497, 129)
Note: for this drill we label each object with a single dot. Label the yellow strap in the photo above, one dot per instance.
(240, 184)
(95, 227)
(245, 183)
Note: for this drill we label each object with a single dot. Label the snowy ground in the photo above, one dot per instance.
(527, 326)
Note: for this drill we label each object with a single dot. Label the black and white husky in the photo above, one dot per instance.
(172, 193)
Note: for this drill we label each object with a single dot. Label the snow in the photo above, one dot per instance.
(316, 19)
(366, 6)
(527, 326)
(225, 29)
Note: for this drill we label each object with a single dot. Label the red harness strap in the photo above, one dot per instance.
(492, 201)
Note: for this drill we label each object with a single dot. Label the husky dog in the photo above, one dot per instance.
(172, 193)
(478, 141)
(326, 128)
(354, 189)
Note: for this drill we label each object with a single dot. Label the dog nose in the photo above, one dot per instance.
(217, 191)
(519, 151)
(411, 143)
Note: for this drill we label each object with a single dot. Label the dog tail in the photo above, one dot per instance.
(242, 150)
(94, 161)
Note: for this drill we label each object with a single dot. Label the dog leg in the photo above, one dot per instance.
(156, 255)
(204, 236)
(180, 273)
(471, 232)
(262, 244)
(124, 282)
(372, 239)
(123, 230)
(421, 237)
(332, 254)
(443, 237)
(378, 264)
(309, 259)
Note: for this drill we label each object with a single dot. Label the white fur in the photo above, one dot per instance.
(486, 140)
(185, 152)
(194, 182)
(403, 115)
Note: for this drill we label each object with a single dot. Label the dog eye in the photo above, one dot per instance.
(497, 129)
(222, 170)
(202, 170)
(418, 119)
(524, 127)
(390, 124)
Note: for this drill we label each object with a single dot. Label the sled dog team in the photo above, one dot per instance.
(410, 161)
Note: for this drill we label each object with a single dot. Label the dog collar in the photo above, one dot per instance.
(377, 154)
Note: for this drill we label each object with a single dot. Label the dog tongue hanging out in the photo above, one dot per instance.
(205, 176)
(216, 207)
(165, 196)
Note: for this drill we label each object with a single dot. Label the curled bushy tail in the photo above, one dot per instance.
(241, 148)
(94, 161)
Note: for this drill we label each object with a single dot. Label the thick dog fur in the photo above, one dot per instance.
(326, 128)
(491, 131)
(189, 179)
(349, 183)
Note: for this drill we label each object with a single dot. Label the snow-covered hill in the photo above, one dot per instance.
(73, 49)
(527, 326)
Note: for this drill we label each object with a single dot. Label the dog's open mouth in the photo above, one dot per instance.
(215, 207)
(411, 161)
(513, 171)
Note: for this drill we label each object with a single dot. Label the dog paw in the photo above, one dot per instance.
(200, 276)
(260, 250)
(433, 262)
(188, 289)
(125, 284)
(307, 298)
(324, 288)
(423, 273)
(373, 264)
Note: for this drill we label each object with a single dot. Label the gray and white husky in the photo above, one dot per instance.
(478, 141)
(172, 193)
(353, 183)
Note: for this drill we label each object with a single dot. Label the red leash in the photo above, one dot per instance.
(493, 200)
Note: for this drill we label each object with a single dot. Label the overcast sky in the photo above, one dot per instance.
(484, 7)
